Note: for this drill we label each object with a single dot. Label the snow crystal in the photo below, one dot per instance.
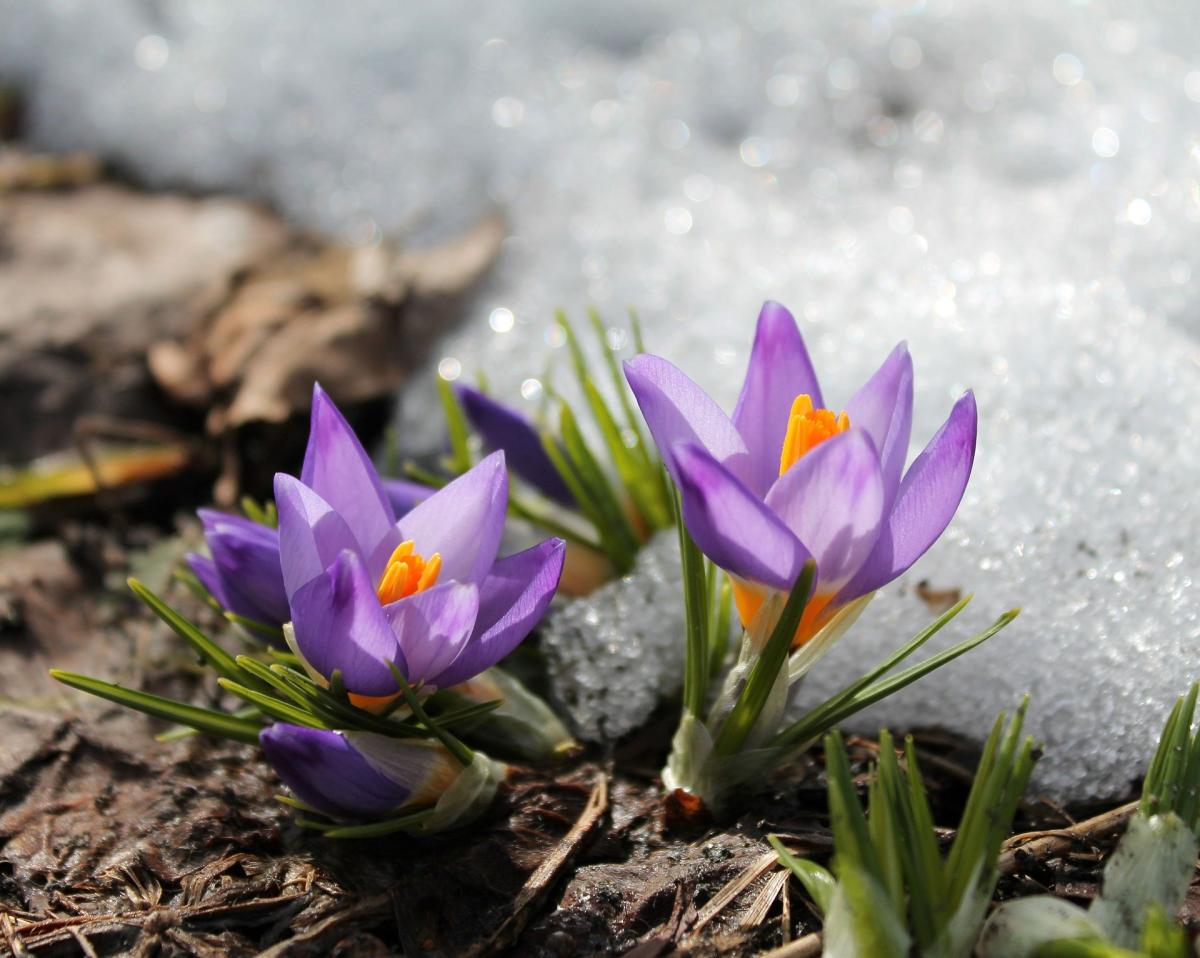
(614, 655)
(1013, 188)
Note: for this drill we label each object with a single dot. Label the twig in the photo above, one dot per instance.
(543, 877)
(775, 886)
(1020, 851)
(807, 947)
(743, 880)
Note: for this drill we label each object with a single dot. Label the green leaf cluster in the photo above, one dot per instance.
(892, 892)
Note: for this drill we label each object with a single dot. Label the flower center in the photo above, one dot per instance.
(808, 427)
(406, 573)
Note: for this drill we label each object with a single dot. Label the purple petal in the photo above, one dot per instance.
(883, 408)
(832, 499)
(433, 627)
(778, 372)
(512, 600)
(463, 521)
(325, 771)
(928, 497)
(678, 412)
(206, 571)
(404, 494)
(502, 427)
(245, 556)
(311, 533)
(338, 469)
(339, 624)
(732, 526)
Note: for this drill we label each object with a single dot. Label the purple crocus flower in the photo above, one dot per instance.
(243, 574)
(785, 479)
(425, 592)
(358, 774)
(503, 428)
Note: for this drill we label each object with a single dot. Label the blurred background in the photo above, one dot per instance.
(384, 193)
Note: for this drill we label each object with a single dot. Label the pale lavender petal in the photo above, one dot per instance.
(678, 412)
(245, 555)
(463, 521)
(405, 494)
(779, 370)
(832, 500)
(325, 771)
(339, 624)
(732, 526)
(928, 497)
(512, 600)
(433, 627)
(338, 469)
(883, 408)
(311, 533)
(502, 427)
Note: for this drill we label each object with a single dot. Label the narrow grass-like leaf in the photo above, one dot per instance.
(765, 671)
(1171, 782)
(276, 708)
(272, 633)
(388, 826)
(696, 669)
(632, 419)
(208, 721)
(817, 881)
(220, 660)
(605, 502)
(870, 689)
(455, 747)
(531, 510)
(265, 515)
(884, 822)
(851, 837)
(180, 732)
(720, 597)
(456, 426)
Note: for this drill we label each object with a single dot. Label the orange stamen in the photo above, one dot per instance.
(807, 428)
(407, 573)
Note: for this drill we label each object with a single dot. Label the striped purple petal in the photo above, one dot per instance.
(512, 600)
(926, 502)
(331, 770)
(732, 526)
(462, 521)
(779, 370)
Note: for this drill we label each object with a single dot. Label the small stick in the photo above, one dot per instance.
(807, 947)
(1017, 853)
(545, 874)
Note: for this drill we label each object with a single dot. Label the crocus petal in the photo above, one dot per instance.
(206, 571)
(502, 427)
(778, 372)
(463, 521)
(325, 771)
(432, 628)
(245, 555)
(339, 624)
(883, 408)
(732, 526)
(404, 494)
(928, 497)
(338, 469)
(512, 600)
(832, 500)
(678, 411)
(311, 533)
